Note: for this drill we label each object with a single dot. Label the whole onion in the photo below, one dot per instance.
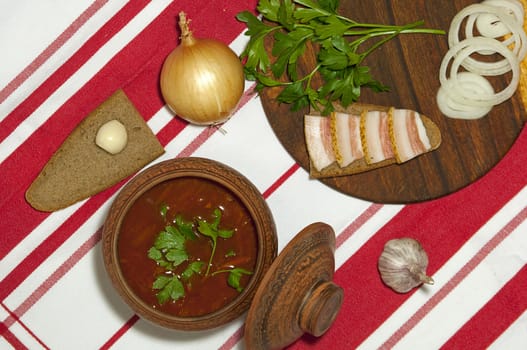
(202, 80)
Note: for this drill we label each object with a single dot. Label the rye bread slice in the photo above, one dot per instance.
(80, 169)
(360, 165)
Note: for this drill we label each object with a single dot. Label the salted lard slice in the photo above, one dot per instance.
(376, 137)
(317, 131)
(347, 138)
(408, 134)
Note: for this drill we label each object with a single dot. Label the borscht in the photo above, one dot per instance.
(187, 246)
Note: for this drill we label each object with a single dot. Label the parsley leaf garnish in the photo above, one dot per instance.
(185, 227)
(193, 268)
(213, 231)
(235, 276)
(170, 287)
(169, 252)
(295, 24)
(163, 211)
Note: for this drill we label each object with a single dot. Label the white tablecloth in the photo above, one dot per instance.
(61, 59)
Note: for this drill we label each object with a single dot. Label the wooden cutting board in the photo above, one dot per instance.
(410, 64)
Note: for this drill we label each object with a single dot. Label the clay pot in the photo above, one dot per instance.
(224, 176)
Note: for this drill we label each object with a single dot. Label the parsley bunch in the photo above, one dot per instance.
(297, 23)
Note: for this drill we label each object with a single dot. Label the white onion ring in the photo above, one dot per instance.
(466, 81)
(474, 19)
(490, 26)
(485, 22)
(463, 50)
(477, 43)
(475, 83)
(518, 35)
(513, 8)
(472, 11)
(469, 95)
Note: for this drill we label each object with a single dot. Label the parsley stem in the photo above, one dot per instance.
(379, 43)
(211, 255)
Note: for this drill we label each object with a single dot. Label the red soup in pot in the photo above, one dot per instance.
(187, 246)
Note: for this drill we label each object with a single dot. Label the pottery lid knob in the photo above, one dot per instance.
(320, 308)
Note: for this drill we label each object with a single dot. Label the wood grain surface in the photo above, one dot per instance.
(409, 65)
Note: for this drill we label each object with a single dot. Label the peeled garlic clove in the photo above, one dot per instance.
(112, 137)
(403, 264)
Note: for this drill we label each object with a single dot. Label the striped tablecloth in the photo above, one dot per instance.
(60, 59)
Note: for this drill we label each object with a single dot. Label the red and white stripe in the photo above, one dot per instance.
(53, 289)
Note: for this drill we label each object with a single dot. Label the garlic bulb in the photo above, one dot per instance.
(403, 264)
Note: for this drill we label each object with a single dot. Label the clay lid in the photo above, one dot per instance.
(296, 295)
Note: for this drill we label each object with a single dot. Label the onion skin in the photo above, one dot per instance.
(202, 80)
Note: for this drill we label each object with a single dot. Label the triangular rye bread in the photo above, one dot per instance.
(80, 169)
